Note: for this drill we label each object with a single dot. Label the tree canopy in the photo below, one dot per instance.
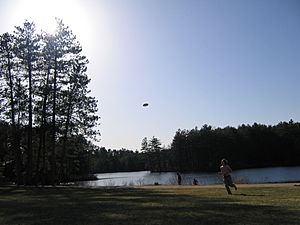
(47, 112)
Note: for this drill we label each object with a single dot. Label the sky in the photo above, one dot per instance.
(216, 62)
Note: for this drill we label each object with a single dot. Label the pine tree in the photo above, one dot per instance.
(8, 94)
(27, 50)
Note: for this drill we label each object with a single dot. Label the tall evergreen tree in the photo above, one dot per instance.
(63, 47)
(80, 109)
(9, 95)
(73, 110)
(27, 50)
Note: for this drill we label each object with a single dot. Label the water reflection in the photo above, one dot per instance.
(251, 176)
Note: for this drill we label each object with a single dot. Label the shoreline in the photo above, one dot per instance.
(161, 186)
(290, 184)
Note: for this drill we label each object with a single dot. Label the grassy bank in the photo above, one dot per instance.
(182, 205)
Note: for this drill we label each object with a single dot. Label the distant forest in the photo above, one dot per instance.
(248, 146)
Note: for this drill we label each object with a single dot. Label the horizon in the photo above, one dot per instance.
(199, 128)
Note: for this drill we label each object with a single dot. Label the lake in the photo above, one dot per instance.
(247, 176)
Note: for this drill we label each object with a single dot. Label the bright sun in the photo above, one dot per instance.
(43, 13)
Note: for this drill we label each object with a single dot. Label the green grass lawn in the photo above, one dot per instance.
(172, 206)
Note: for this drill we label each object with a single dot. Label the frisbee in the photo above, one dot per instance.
(145, 104)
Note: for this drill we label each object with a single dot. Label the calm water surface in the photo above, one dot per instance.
(251, 176)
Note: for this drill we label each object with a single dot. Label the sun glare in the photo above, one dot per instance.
(44, 12)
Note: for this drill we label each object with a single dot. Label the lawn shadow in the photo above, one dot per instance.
(253, 195)
(4, 190)
(132, 206)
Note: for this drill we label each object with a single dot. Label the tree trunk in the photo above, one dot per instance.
(53, 145)
(63, 153)
(29, 144)
(15, 145)
(41, 149)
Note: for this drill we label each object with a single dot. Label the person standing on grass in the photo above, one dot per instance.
(225, 171)
(195, 181)
(178, 178)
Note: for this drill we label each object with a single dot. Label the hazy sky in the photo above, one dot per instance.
(222, 63)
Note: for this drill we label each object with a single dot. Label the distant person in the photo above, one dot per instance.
(225, 171)
(178, 178)
(195, 182)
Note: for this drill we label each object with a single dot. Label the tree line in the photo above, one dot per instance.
(247, 146)
(47, 115)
